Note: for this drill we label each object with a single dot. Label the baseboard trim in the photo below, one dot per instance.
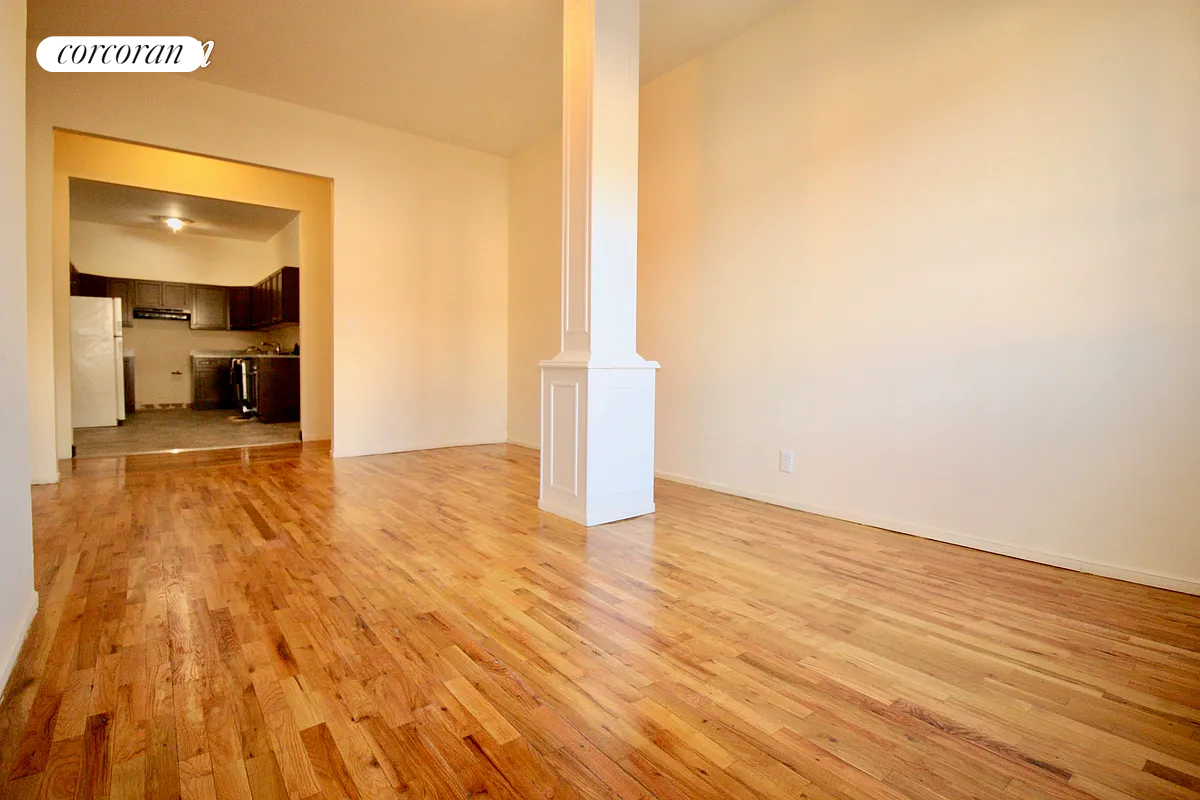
(10, 658)
(525, 444)
(1130, 575)
(44, 480)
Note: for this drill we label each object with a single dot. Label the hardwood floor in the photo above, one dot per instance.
(284, 625)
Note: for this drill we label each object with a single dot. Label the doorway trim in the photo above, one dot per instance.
(97, 158)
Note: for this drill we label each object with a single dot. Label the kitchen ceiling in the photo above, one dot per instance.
(112, 204)
(484, 74)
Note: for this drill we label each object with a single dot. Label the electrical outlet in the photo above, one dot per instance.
(787, 460)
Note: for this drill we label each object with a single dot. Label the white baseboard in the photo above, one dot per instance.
(44, 480)
(525, 444)
(9, 658)
(1132, 575)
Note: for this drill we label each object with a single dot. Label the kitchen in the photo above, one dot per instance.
(185, 317)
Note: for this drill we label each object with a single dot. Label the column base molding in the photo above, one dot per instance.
(597, 439)
(591, 517)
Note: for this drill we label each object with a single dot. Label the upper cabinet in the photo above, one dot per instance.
(123, 289)
(161, 294)
(273, 302)
(177, 296)
(147, 294)
(210, 308)
(86, 285)
(241, 308)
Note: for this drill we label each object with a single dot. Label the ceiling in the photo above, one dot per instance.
(93, 201)
(484, 74)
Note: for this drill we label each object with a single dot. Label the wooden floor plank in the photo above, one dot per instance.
(271, 623)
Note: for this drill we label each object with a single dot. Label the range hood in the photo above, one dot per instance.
(161, 313)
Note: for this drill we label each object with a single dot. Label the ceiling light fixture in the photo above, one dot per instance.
(174, 223)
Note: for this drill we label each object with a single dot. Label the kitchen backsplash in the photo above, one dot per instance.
(162, 348)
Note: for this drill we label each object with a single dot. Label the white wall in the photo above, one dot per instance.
(121, 251)
(17, 597)
(285, 245)
(419, 250)
(534, 281)
(947, 253)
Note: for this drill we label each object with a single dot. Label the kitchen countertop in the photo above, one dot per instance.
(237, 354)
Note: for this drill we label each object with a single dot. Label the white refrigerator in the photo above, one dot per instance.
(97, 362)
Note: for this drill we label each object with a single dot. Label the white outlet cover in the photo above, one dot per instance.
(786, 460)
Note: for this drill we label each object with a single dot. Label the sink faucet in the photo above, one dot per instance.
(272, 346)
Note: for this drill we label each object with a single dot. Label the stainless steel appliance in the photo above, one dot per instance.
(244, 374)
(161, 313)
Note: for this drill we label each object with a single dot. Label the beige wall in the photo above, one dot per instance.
(17, 597)
(285, 245)
(534, 281)
(419, 303)
(948, 254)
(121, 251)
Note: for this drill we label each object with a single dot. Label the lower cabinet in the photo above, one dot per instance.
(211, 386)
(130, 386)
(279, 389)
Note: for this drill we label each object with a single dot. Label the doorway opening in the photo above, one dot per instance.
(185, 322)
(193, 308)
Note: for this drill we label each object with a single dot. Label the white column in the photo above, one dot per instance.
(598, 393)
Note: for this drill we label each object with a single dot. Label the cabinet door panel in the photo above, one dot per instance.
(122, 288)
(148, 294)
(291, 295)
(240, 308)
(176, 295)
(279, 390)
(277, 298)
(211, 387)
(260, 305)
(210, 308)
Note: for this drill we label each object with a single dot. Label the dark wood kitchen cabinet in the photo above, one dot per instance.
(123, 289)
(162, 294)
(211, 386)
(130, 386)
(241, 312)
(148, 294)
(210, 308)
(258, 305)
(278, 389)
(177, 296)
(84, 284)
(275, 300)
